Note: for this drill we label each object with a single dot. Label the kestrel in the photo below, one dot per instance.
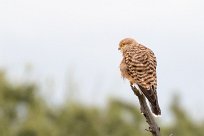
(139, 67)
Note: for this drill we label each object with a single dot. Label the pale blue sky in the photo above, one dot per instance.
(59, 36)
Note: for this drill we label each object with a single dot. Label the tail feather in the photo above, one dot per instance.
(152, 98)
(155, 108)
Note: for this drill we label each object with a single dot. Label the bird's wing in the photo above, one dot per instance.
(141, 65)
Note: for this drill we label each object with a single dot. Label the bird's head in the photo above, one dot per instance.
(125, 43)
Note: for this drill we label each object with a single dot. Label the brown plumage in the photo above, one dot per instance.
(139, 67)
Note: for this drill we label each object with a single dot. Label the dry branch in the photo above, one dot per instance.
(153, 128)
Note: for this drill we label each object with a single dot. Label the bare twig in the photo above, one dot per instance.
(153, 128)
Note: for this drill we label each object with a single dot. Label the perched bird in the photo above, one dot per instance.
(139, 67)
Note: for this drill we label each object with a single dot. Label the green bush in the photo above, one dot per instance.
(24, 113)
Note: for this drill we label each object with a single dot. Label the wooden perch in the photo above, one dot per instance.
(153, 128)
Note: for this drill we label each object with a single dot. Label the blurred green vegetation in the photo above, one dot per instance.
(24, 113)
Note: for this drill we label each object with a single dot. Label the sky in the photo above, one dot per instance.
(64, 39)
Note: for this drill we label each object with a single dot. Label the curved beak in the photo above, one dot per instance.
(119, 48)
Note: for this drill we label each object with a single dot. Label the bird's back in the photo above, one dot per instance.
(141, 66)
